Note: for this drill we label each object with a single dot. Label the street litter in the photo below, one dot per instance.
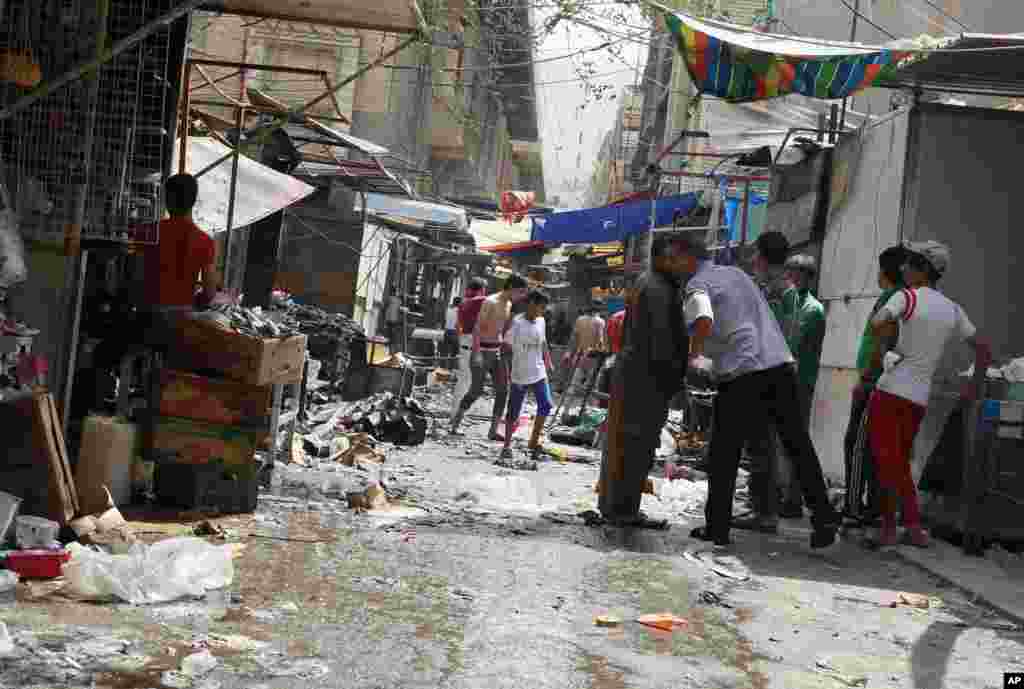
(825, 668)
(665, 621)
(35, 532)
(37, 564)
(165, 571)
(8, 584)
(500, 492)
(684, 496)
(712, 598)
(198, 664)
(517, 464)
(912, 600)
(727, 566)
(607, 621)
(6, 643)
(373, 498)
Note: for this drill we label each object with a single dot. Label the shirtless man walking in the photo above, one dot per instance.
(488, 356)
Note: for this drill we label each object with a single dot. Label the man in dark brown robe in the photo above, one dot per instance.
(649, 372)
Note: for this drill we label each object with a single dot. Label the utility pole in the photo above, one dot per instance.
(853, 37)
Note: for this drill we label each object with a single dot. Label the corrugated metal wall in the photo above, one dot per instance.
(968, 203)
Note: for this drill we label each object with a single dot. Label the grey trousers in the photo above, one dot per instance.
(497, 367)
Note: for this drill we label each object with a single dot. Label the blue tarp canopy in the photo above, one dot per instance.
(610, 223)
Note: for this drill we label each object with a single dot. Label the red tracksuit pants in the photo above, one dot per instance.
(893, 423)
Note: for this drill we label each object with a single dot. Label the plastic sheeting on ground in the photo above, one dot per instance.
(611, 223)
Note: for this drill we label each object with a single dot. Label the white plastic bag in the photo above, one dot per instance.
(165, 571)
(12, 249)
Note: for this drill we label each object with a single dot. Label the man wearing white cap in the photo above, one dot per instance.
(928, 321)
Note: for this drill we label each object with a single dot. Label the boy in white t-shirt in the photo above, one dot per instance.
(531, 362)
(928, 322)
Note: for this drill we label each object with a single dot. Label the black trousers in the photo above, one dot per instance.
(862, 485)
(747, 408)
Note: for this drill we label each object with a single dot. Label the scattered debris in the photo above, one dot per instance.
(727, 566)
(712, 598)
(246, 321)
(208, 528)
(6, 643)
(664, 621)
(165, 571)
(607, 621)
(825, 668)
(912, 600)
(373, 498)
(198, 664)
(516, 464)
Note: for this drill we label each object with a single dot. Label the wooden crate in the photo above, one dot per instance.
(214, 400)
(185, 441)
(201, 345)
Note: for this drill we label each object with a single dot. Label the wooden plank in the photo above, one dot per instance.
(62, 496)
(397, 16)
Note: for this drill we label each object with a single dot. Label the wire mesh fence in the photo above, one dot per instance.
(90, 156)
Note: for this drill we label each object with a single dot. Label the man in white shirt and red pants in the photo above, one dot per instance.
(927, 321)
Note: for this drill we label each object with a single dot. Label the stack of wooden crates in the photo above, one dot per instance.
(215, 410)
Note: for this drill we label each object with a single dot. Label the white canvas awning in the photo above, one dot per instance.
(421, 212)
(498, 232)
(259, 191)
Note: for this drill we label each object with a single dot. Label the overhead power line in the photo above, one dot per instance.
(858, 13)
(946, 14)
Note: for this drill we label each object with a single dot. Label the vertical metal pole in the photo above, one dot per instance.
(72, 358)
(746, 213)
(186, 110)
(853, 37)
(74, 279)
(233, 188)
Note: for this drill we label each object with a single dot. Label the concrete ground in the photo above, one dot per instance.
(484, 578)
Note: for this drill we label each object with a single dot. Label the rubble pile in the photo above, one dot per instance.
(401, 421)
(333, 337)
(246, 321)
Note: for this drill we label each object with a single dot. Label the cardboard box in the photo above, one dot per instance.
(185, 441)
(108, 450)
(214, 400)
(202, 345)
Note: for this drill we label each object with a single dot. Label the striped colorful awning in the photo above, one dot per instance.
(738, 64)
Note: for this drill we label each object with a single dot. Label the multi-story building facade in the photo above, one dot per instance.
(460, 121)
(611, 177)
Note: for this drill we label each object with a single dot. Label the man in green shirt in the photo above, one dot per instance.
(861, 486)
(803, 324)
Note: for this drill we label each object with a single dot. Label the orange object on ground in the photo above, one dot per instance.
(664, 621)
